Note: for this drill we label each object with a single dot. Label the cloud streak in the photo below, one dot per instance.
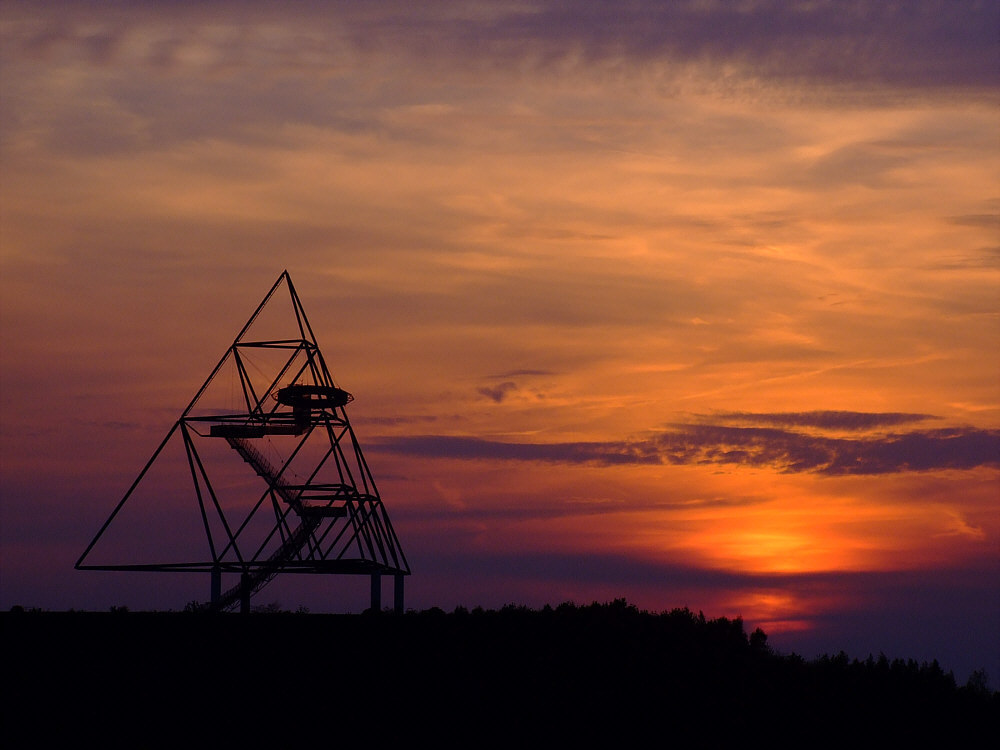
(499, 392)
(783, 450)
(837, 420)
(925, 43)
(793, 452)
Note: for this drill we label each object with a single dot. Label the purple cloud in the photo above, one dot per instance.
(521, 373)
(919, 43)
(926, 450)
(499, 392)
(786, 450)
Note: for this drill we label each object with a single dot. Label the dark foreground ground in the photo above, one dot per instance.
(585, 676)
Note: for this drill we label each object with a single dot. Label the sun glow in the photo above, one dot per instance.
(775, 611)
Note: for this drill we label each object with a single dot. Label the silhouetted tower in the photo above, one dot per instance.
(270, 408)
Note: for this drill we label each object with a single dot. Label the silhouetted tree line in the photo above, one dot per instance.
(583, 675)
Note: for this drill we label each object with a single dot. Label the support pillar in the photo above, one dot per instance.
(216, 585)
(376, 592)
(398, 594)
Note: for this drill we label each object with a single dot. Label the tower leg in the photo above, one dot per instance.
(216, 585)
(398, 594)
(376, 592)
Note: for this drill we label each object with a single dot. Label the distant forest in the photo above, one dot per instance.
(568, 675)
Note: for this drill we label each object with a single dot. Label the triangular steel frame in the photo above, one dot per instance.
(331, 521)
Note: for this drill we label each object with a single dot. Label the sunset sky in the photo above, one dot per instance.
(694, 303)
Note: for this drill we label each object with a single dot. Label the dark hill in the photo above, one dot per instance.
(598, 674)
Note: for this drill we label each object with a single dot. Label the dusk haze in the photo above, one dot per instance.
(695, 303)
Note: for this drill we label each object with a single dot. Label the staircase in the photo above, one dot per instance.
(292, 545)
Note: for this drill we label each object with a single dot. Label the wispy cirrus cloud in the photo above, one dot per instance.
(923, 43)
(837, 420)
(521, 373)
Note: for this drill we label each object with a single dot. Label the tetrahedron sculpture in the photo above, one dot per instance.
(265, 472)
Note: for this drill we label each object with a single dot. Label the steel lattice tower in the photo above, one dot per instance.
(313, 506)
